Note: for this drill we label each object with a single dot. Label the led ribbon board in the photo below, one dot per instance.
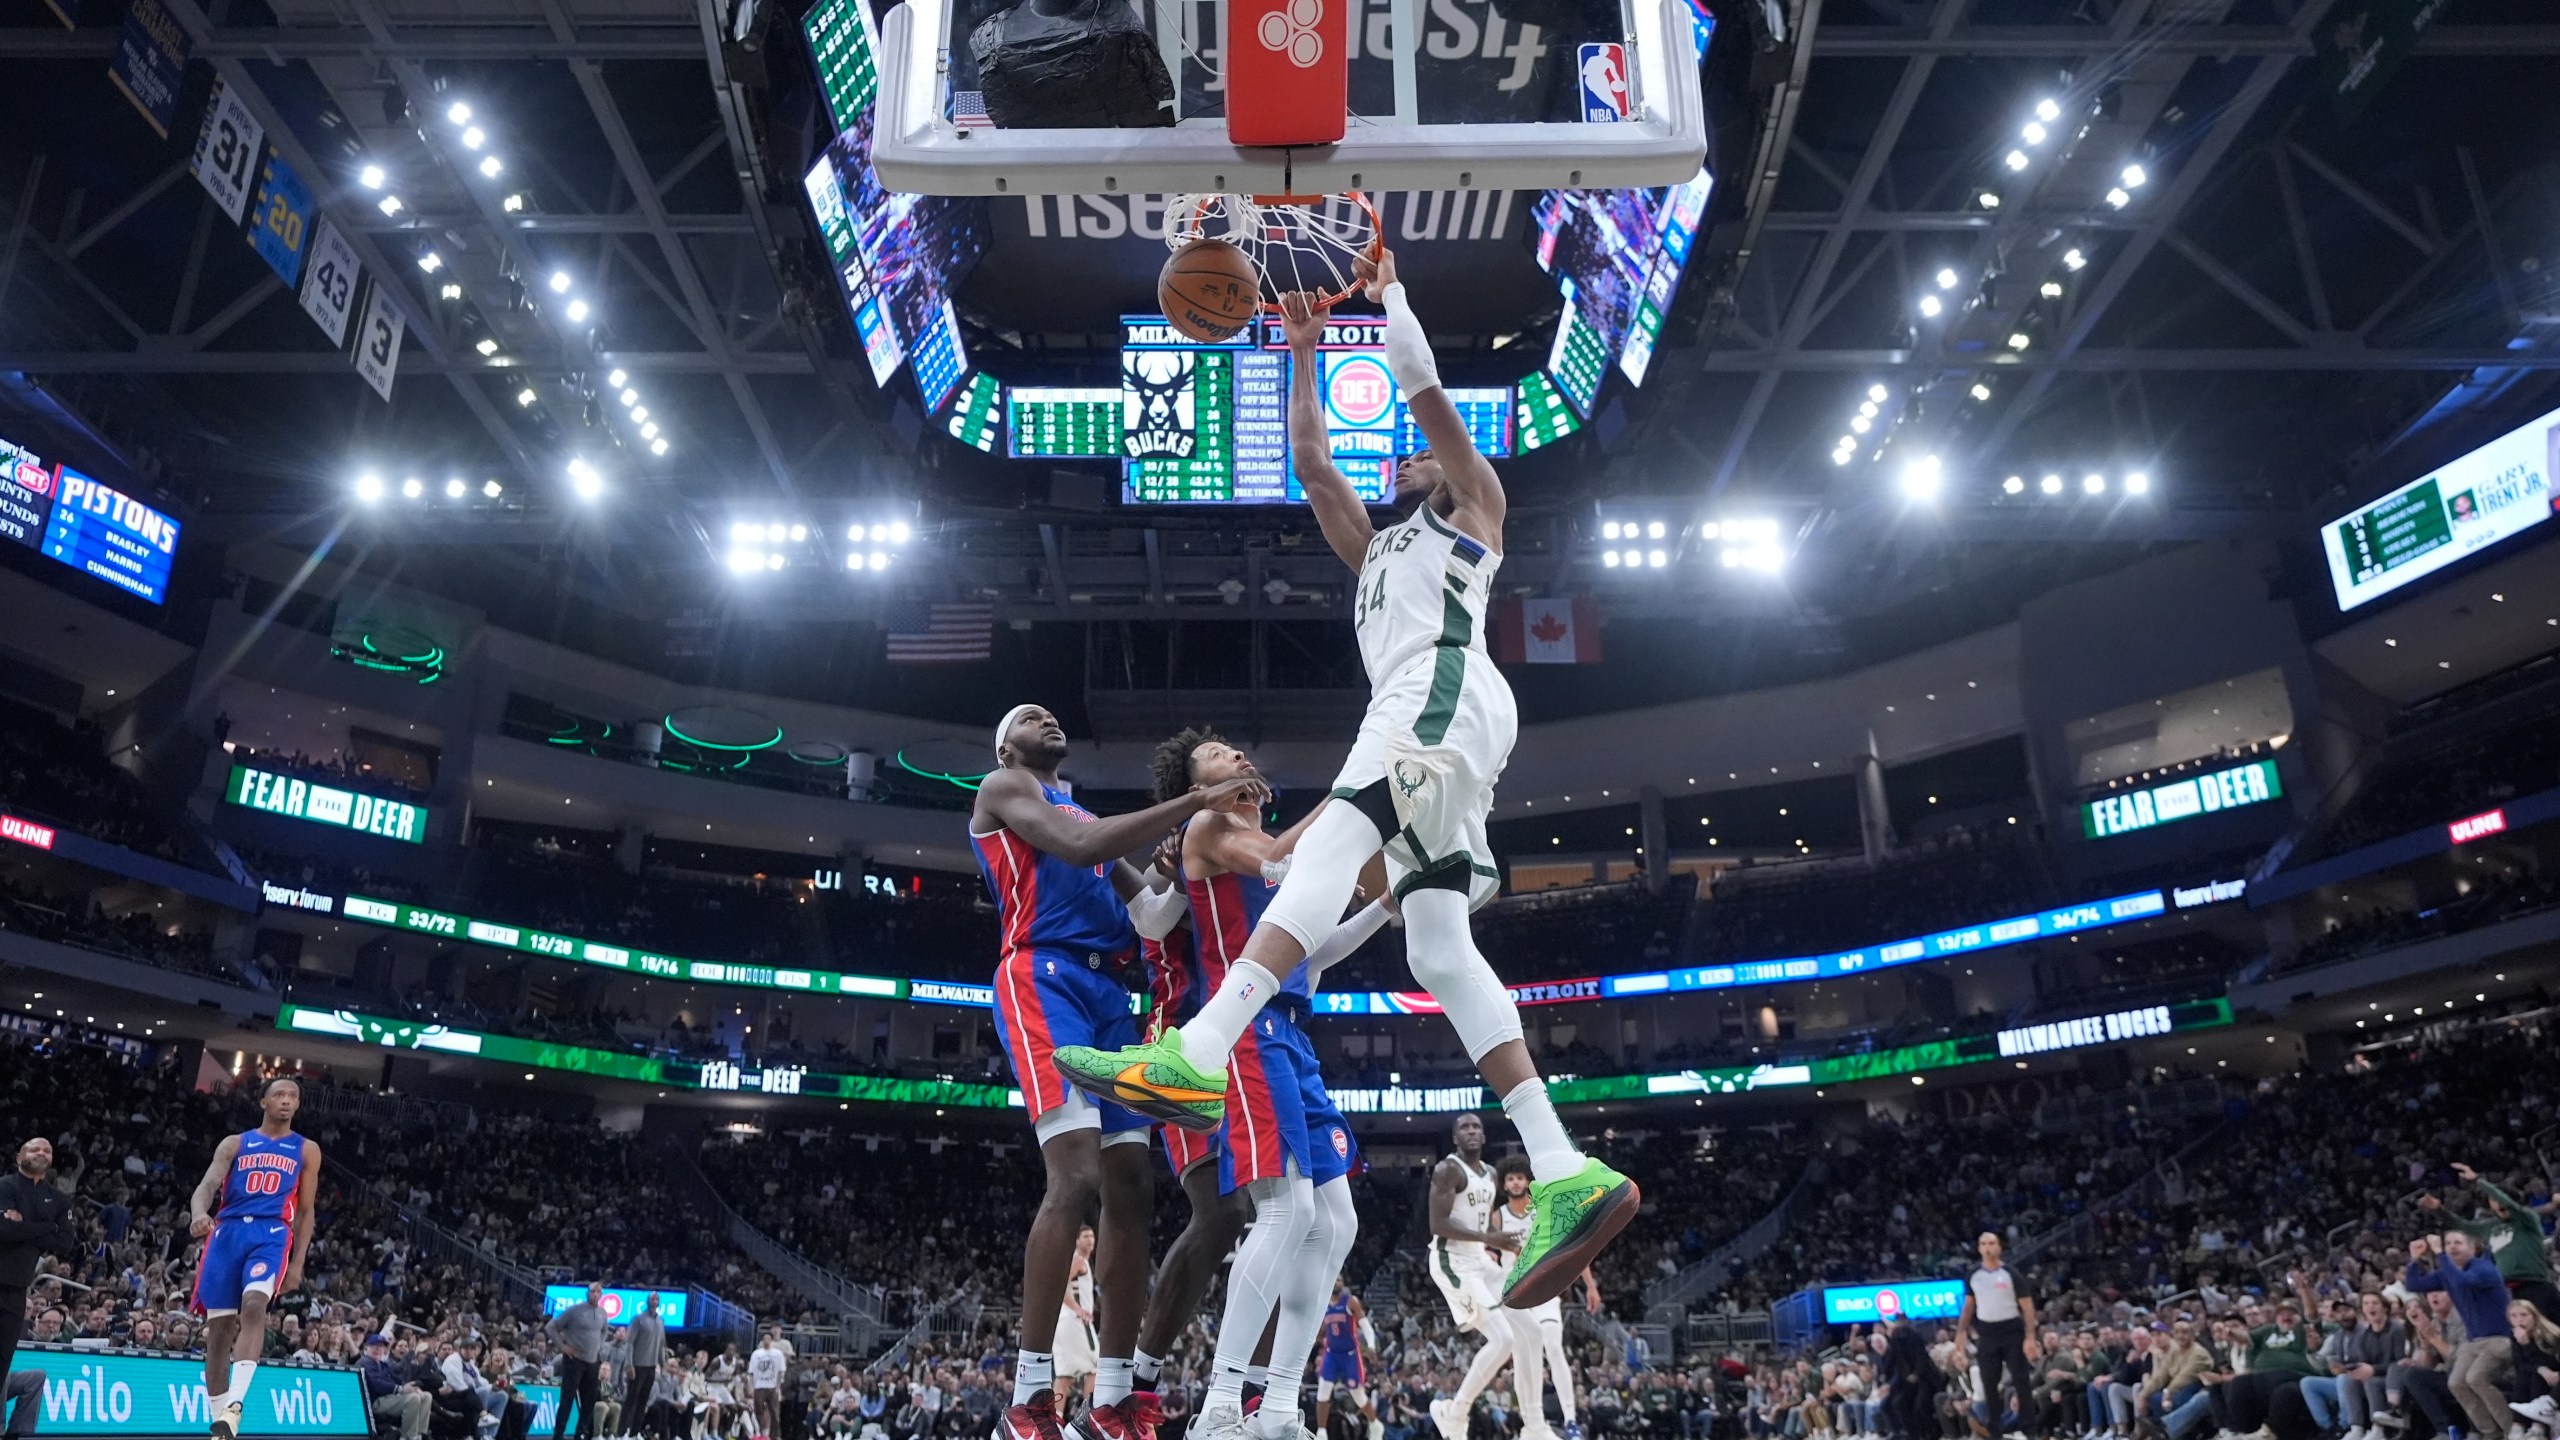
(499, 935)
(2496, 491)
(735, 1076)
(2251, 784)
(94, 1392)
(300, 799)
(1900, 1300)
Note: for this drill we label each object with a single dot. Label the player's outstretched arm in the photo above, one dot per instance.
(1339, 513)
(1012, 799)
(1474, 487)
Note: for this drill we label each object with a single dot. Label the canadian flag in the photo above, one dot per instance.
(1551, 631)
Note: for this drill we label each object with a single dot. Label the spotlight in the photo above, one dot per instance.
(449, 291)
(2051, 485)
(525, 396)
(898, 532)
(2015, 159)
(1609, 559)
(2013, 485)
(775, 562)
(740, 532)
(2137, 483)
(777, 532)
(1843, 457)
(1657, 559)
(2072, 259)
(490, 166)
(453, 489)
(2093, 483)
(628, 397)
(512, 204)
(2017, 339)
(577, 311)
(431, 262)
(2051, 290)
(879, 561)
(1930, 307)
(1921, 479)
(745, 562)
(1980, 391)
(649, 431)
(492, 489)
(616, 379)
(1868, 409)
(472, 138)
(388, 205)
(1988, 199)
(1861, 424)
(584, 479)
(1877, 392)
(2135, 177)
(2034, 132)
(486, 346)
(853, 562)
(369, 488)
(1654, 531)
(559, 282)
(2117, 198)
(1947, 279)
(412, 488)
(458, 113)
(856, 534)
(799, 534)
(2048, 111)
(658, 446)
(370, 177)
(639, 412)
(1608, 529)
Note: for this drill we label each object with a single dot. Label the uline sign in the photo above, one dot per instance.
(302, 799)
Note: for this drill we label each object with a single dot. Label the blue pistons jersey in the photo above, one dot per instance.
(253, 1230)
(265, 1178)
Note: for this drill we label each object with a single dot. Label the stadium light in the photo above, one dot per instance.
(2118, 199)
(371, 177)
(1867, 408)
(413, 487)
(899, 532)
(1609, 559)
(492, 489)
(2137, 483)
(2015, 160)
(1930, 307)
(490, 166)
(2018, 340)
(616, 379)
(453, 488)
(2015, 484)
(879, 561)
(658, 446)
(577, 311)
(2072, 259)
(2048, 109)
(853, 562)
(1922, 478)
(2135, 177)
(741, 532)
(1980, 391)
(473, 138)
(458, 113)
(526, 396)
(369, 488)
(639, 412)
(431, 262)
(2051, 290)
(559, 282)
(388, 205)
(584, 479)
(1947, 279)
(449, 291)
(628, 398)
(1861, 424)
(2051, 485)
(1988, 199)
(2093, 483)
(486, 346)
(743, 561)
(776, 561)
(2034, 132)
(1657, 558)
(513, 204)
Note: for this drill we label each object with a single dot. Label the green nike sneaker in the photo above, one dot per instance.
(1575, 1220)
(1152, 1079)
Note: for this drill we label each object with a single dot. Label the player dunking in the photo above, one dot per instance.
(267, 1184)
(1345, 1362)
(1066, 943)
(1513, 1217)
(1418, 782)
(1466, 1263)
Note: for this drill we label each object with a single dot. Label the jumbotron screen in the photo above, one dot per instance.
(2436, 520)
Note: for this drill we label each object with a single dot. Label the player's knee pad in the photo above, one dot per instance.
(1442, 954)
(1322, 871)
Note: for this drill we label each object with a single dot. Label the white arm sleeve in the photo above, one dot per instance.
(1346, 937)
(1408, 349)
(1156, 912)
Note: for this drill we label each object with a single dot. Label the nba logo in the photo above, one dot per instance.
(1604, 82)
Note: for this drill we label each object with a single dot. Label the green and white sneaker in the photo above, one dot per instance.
(226, 1425)
(1153, 1079)
(1575, 1220)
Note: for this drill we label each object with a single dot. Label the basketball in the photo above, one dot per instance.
(1209, 289)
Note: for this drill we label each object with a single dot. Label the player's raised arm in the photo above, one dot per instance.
(1473, 485)
(1339, 513)
(1012, 799)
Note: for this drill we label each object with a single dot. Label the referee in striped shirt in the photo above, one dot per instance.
(1999, 1305)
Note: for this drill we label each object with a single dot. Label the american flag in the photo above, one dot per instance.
(969, 110)
(941, 634)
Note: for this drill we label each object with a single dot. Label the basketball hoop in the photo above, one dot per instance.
(1296, 242)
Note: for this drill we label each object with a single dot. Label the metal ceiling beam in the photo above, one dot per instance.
(2062, 42)
(421, 225)
(2342, 356)
(632, 42)
(2201, 167)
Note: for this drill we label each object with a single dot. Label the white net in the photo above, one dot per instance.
(1304, 243)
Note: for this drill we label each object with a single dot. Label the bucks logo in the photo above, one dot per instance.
(1409, 778)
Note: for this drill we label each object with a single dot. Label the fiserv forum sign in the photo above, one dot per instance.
(91, 1392)
(300, 799)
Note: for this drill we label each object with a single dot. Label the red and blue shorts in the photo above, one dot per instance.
(1186, 1148)
(243, 1254)
(1046, 1000)
(1277, 1108)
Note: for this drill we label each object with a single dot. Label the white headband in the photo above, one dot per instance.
(1006, 724)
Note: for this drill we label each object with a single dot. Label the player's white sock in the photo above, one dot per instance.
(1210, 1037)
(242, 1372)
(1111, 1382)
(1552, 1155)
(1033, 1372)
(1145, 1370)
(1258, 1377)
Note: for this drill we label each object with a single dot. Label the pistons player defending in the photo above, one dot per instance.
(1067, 951)
(1284, 1143)
(267, 1183)
(1418, 783)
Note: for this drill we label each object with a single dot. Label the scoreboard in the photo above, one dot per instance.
(2475, 501)
(85, 524)
(1543, 416)
(1056, 423)
(1581, 355)
(977, 413)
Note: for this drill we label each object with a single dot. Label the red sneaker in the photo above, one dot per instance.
(1037, 1420)
(1133, 1418)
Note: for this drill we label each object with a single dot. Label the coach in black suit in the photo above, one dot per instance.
(35, 1216)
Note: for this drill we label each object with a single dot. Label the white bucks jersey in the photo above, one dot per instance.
(1421, 584)
(1473, 1209)
(1514, 1225)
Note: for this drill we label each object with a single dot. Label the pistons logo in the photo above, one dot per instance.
(258, 1271)
(1888, 1304)
(1291, 30)
(1341, 1144)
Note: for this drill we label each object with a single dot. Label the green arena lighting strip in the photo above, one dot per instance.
(766, 744)
(965, 782)
(2118, 1027)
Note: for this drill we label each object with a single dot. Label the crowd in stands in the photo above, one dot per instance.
(2423, 784)
(61, 772)
(1771, 912)
(337, 767)
(2502, 895)
(49, 912)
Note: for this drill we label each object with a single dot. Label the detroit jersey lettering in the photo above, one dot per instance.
(265, 1178)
